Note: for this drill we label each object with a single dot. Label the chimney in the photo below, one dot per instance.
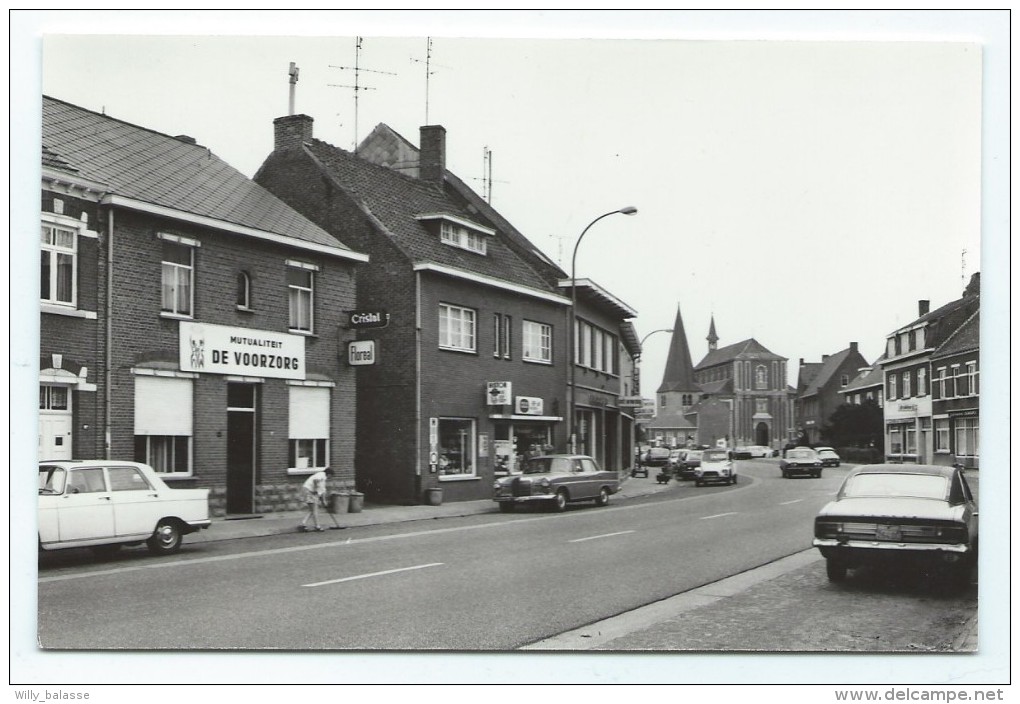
(187, 139)
(853, 346)
(825, 357)
(923, 307)
(432, 154)
(291, 131)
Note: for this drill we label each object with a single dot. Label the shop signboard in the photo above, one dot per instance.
(221, 349)
(499, 393)
(630, 402)
(367, 319)
(361, 353)
(529, 406)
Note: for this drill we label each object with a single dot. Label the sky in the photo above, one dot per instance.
(802, 177)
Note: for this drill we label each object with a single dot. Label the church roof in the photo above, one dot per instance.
(747, 349)
(679, 372)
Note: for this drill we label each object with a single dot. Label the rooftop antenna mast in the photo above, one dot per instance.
(357, 87)
(963, 268)
(428, 72)
(294, 70)
(486, 178)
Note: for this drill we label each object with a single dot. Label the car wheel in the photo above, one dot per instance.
(603, 498)
(733, 480)
(835, 570)
(506, 507)
(166, 539)
(818, 474)
(786, 475)
(560, 502)
(698, 482)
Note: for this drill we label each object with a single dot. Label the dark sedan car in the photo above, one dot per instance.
(690, 464)
(919, 515)
(801, 460)
(556, 480)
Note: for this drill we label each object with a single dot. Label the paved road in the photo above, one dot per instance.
(490, 582)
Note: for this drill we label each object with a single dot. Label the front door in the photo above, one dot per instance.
(241, 424)
(55, 422)
(761, 435)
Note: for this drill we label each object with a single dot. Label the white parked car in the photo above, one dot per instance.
(715, 466)
(103, 504)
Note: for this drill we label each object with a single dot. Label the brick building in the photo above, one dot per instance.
(206, 311)
(818, 389)
(746, 400)
(470, 369)
(911, 377)
(956, 395)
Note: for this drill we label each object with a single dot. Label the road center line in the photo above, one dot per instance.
(596, 537)
(372, 574)
(787, 503)
(718, 515)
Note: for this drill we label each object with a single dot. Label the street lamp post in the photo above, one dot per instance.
(571, 405)
(637, 386)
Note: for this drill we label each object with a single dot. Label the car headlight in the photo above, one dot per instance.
(828, 529)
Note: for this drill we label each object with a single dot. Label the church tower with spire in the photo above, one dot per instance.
(713, 339)
(674, 424)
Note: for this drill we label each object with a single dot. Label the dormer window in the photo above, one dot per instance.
(457, 232)
(462, 237)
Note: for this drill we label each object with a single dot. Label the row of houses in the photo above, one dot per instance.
(926, 384)
(365, 311)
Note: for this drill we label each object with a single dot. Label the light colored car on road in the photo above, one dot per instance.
(556, 480)
(924, 516)
(801, 460)
(715, 467)
(103, 504)
(828, 456)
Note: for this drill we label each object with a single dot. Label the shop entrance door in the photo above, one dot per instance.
(241, 425)
(761, 435)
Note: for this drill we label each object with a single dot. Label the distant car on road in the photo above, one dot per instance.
(691, 461)
(556, 480)
(103, 504)
(828, 456)
(801, 460)
(715, 466)
(922, 515)
(655, 457)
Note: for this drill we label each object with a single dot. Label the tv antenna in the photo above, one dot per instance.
(486, 178)
(428, 72)
(357, 87)
(963, 268)
(293, 73)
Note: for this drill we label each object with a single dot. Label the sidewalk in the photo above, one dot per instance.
(231, 527)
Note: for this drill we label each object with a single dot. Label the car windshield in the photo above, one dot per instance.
(921, 486)
(548, 465)
(51, 480)
(714, 456)
(800, 454)
(659, 452)
(694, 455)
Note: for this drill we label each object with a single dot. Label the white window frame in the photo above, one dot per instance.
(244, 290)
(299, 293)
(942, 436)
(462, 238)
(906, 385)
(922, 375)
(972, 379)
(53, 251)
(965, 437)
(463, 337)
(161, 430)
(177, 270)
(892, 386)
(308, 409)
(956, 376)
(536, 342)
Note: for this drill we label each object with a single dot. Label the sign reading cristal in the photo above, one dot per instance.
(221, 349)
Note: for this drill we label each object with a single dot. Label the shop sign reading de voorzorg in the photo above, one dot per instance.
(221, 349)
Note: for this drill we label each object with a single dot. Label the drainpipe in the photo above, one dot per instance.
(417, 389)
(108, 384)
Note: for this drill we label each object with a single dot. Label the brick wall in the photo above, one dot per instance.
(143, 338)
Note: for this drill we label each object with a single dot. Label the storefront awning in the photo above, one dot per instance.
(512, 416)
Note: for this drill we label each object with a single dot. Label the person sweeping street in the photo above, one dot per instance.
(313, 494)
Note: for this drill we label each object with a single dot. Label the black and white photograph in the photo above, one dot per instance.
(510, 347)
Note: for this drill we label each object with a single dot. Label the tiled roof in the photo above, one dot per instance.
(943, 321)
(966, 338)
(722, 386)
(154, 168)
(395, 199)
(806, 374)
(747, 349)
(672, 419)
(825, 371)
(873, 377)
(679, 372)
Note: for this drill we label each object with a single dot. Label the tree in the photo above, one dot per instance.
(855, 425)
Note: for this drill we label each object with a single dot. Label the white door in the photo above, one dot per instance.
(55, 436)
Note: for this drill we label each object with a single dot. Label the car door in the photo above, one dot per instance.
(85, 511)
(136, 504)
(587, 477)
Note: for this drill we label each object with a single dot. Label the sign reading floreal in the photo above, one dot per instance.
(221, 349)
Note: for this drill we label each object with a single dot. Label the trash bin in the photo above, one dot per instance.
(434, 496)
(338, 503)
(357, 502)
